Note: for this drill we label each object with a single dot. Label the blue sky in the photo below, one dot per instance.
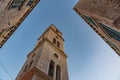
(89, 57)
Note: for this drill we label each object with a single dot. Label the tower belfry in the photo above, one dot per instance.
(47, 61)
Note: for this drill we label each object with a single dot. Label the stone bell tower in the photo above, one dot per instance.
(47, 61)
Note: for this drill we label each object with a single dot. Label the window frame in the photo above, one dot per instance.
(58, 73)
(58, 44)
(56, 55)
(111, 32)
(30, 2)
(89, 19)
(19, 6)
(31, 63)
(51, 69)
(54, 41)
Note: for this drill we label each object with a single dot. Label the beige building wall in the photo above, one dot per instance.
(11, 17)
(41, 56)
(103, 16)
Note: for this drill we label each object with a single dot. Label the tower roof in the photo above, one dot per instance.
(53, 27)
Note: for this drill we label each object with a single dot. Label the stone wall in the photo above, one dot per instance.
(11, 18)
(106, 8)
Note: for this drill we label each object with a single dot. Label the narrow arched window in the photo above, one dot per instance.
(31, 63)
(54, 40)
(58, 72)
(58, 44)
(51, 69)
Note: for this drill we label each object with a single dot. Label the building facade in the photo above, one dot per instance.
(104, 18)
(12, 13)
(47, 61)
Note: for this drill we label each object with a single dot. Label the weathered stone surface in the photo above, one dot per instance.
(106, 8)
(12, 17)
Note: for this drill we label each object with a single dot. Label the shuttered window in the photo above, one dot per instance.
(16, 3)
(30, 2)
(113, 33)
(89, 20)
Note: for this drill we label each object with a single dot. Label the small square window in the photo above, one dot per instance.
(30, 2)
(16, 3)
(89, 19)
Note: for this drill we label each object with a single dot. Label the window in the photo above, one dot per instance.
(57, 31)
(30, 2)
(58, 73)
(58, 44)
(56, 55)
(89, 19)
(16, 3)
(51, 69)
(54, 40)
(56, 37)
(31, 63)
(114, 34)
(112, 45)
